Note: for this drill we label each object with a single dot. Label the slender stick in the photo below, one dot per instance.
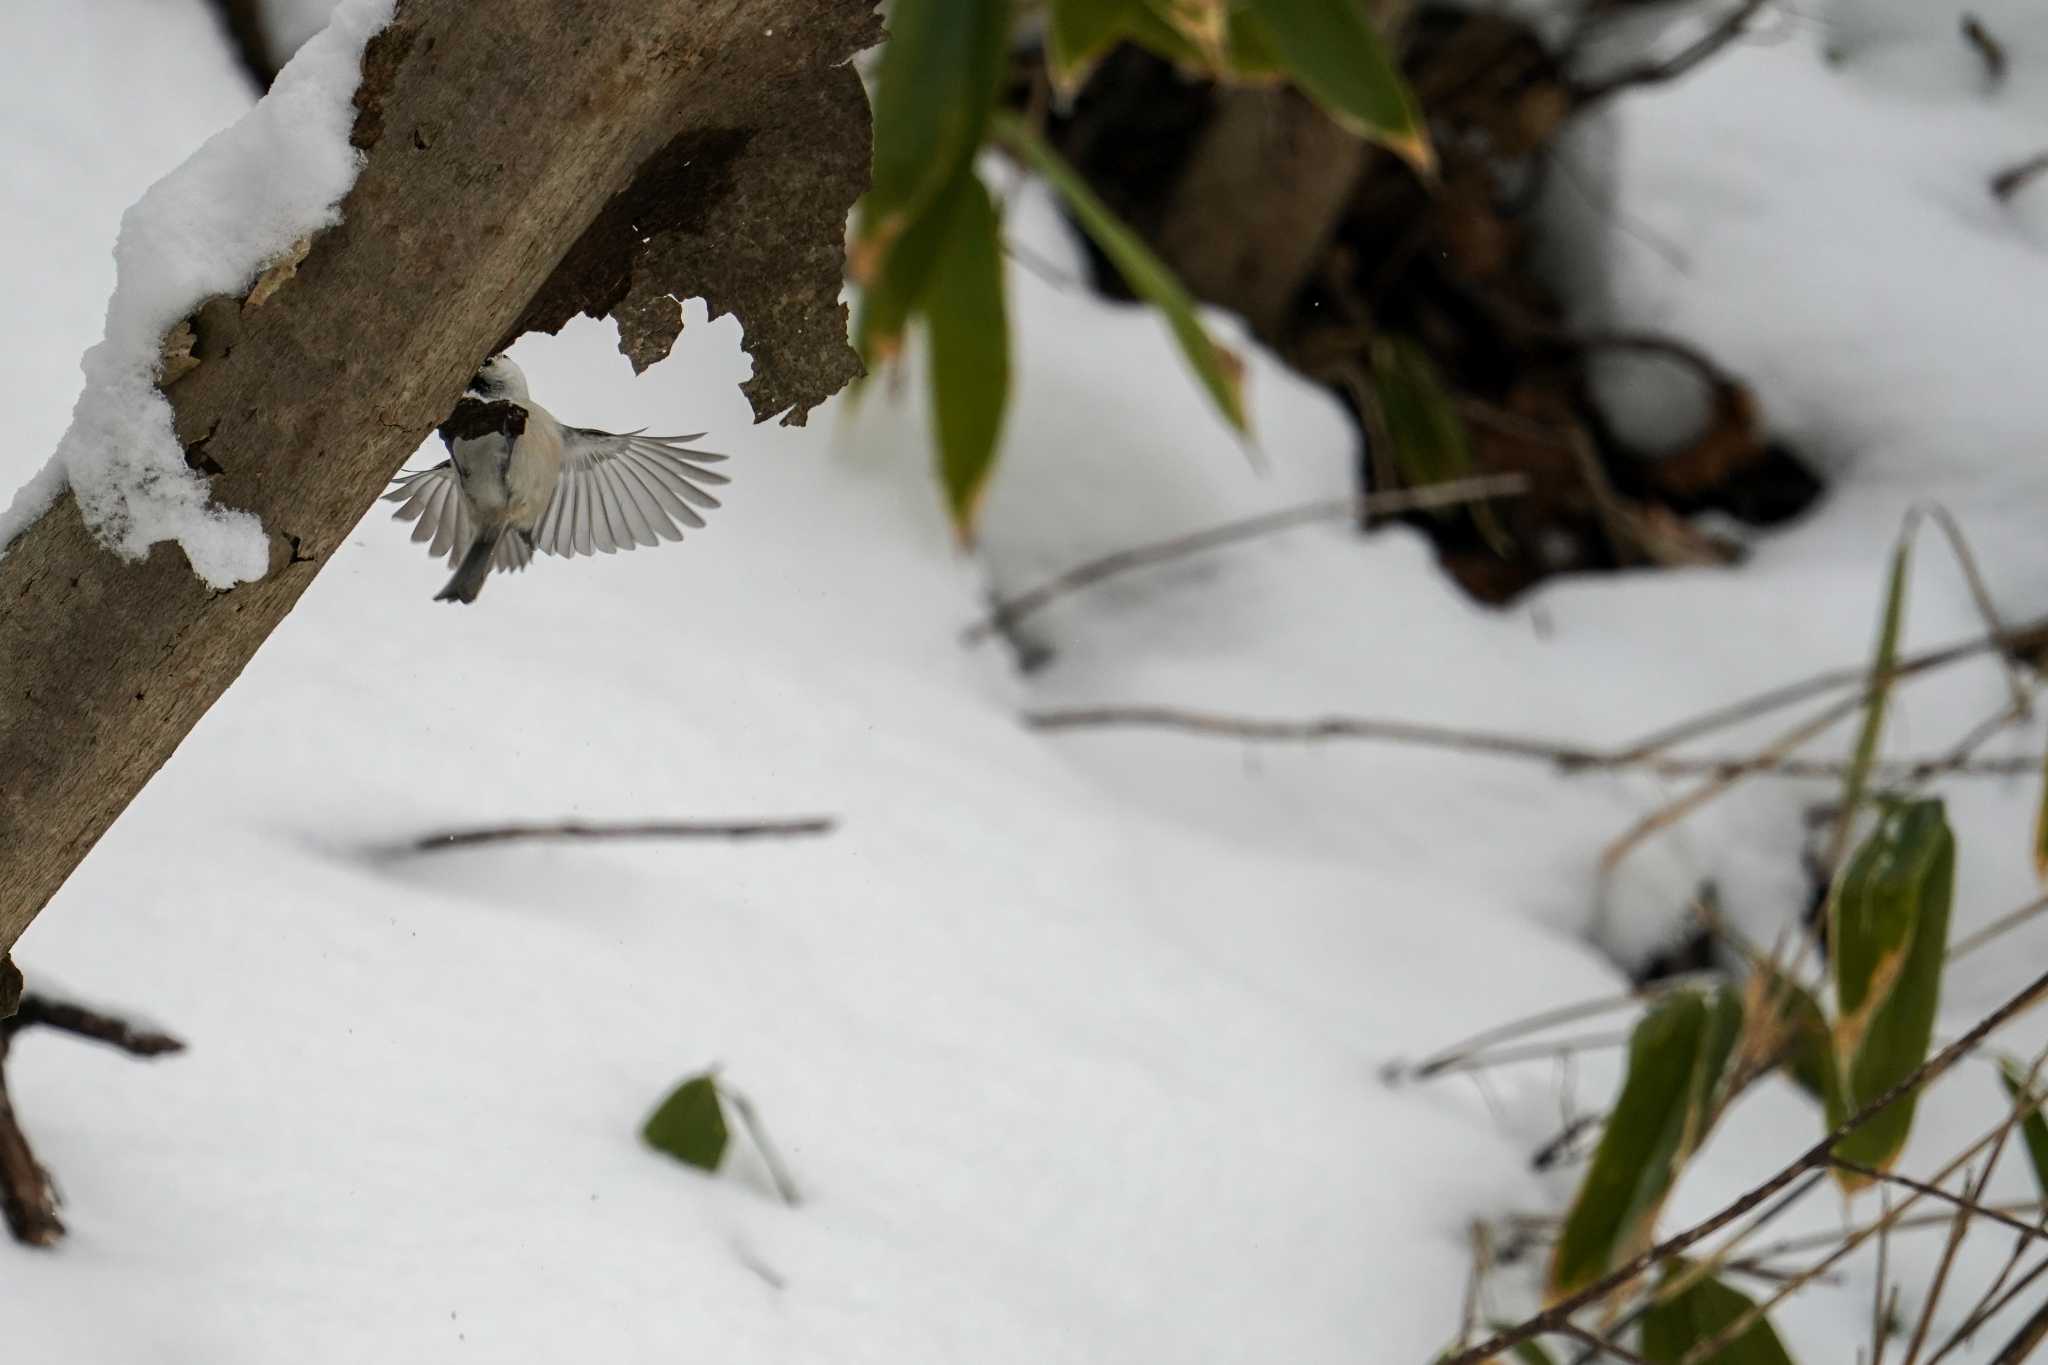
(1653, 73)
(1976, 1320)
(1536, 1023)
(648, 829)
(1961, 1202)
(2031, 1334)
(2019, 639)
(2003, 924)
(1879, 1317)
(1568, 758)
(28, 1201)
(1454, 493)
(785, 1184)
(1598, 1343)
(1671, 813)
(2013, 179)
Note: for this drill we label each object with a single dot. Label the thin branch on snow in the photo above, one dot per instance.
(645, 829)
(2017, 641)
(28, 1198)
(1961, 1202)
(1448, 1058)
(1988, 48)
(1569, 758)
(1455, 493)
(1656, 73)
(2015, 178)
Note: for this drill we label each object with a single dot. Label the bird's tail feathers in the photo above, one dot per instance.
(475, 567)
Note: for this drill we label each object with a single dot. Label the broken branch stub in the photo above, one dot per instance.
(496, 133)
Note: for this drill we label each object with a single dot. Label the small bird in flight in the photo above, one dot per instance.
(519, 481)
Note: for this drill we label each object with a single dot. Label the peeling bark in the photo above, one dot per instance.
(497, 133)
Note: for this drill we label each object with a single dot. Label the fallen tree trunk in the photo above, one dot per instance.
(526, 160)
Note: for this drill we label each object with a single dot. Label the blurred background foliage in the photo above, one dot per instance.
(1358, 182)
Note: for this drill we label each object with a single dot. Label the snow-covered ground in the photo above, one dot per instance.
(1073, 1042)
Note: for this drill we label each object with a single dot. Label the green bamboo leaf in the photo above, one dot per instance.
(1331, 50)
(1700, 1313)
(1220, 372)
(1881, 665)
(935, 86)
(897, 290)
(1792, 1023)
(1676, 1060)
(690, 1124)
(1426, 437)
(1202, 26)
(2033, 1127)
(1079, 33)
(1888, 934)
(970, 347)
(1252, 56)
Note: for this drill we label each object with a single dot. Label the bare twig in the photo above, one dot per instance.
(1996, 1137)
(2003, 924)
(1566, 757)
(1961, 1202)
(1444, 1058)
(1959, 1225)
(1456, 493)
(1819, 1155)
(2018, 640)
(28, 1199)
(1475, 1280)
(1970, 1206)
(2015, 178)
(1554, 1151)
(785, 1184)
(1776, 752)
(1981, 1311)
(67, 1017)
(1597, 1343)
(1976, 1320)
(2031, 1334)
(1655, 73)
(1988, 48)
(1527, 1052)
(1812, 1240)
(1980, 596)
(649, 829)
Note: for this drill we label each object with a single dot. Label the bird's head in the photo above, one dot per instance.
(498, 378)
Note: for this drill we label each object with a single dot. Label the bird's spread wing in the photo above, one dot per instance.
(433, 498)
(617, 492)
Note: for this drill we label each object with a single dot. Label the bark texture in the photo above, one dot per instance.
(507, 142)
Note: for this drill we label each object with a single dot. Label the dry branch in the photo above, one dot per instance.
(2017, 177)
(622, 140)
(644, 829)
(1455, 493)
(1725, 32)
(28, 1197)
(1569, 758)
